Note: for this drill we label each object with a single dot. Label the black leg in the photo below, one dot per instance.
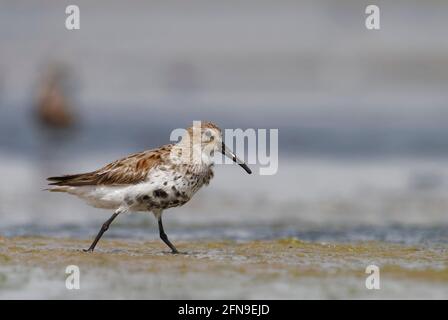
(102, 230)
(164, 237)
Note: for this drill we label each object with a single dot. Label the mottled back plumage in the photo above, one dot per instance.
(130, 170)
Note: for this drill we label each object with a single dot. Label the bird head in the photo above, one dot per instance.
(204, 140)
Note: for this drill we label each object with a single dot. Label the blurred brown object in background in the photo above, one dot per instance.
(53, 107)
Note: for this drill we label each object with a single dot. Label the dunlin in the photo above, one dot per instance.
(152, 180)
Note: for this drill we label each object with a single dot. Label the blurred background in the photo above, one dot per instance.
(362, 115)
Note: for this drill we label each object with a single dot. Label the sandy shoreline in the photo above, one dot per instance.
(34, 267)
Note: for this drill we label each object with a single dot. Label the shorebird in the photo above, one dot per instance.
(152, 180)
(53, 107)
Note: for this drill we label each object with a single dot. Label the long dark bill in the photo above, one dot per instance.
(232, 156)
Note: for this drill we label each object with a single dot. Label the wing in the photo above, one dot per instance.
(130, 170)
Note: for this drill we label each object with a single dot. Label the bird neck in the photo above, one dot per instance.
(190, 154)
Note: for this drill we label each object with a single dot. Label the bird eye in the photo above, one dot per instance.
(208, 133)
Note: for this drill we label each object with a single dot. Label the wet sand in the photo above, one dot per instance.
(34, 267)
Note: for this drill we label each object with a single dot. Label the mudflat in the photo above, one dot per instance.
(35, 267)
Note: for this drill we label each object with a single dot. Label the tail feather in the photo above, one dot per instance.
(69, 180)
(57, 189)
(64, 177)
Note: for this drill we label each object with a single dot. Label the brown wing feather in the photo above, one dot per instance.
(132, 169)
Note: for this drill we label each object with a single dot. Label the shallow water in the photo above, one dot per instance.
(147, 230)
(398, 201)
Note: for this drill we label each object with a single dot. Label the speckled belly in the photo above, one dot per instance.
(166, 190)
